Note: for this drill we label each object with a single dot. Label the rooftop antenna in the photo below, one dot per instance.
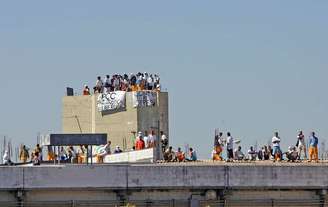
(4, 145)
(323, 149)
(186, 149)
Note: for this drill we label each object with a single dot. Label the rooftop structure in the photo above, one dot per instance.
(118, 114)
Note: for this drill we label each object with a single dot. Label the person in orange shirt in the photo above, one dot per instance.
(134, 87)
(141, 86)
(180, 155)
(86, 90)
(140, 144)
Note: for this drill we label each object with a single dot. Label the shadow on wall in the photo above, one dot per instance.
(109, 112)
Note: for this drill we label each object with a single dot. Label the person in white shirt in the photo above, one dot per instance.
(152, 139)
(99, 85)
(146, 140)
(116, 83)
(252, 154)
(276, 147)
(150, 82)
(239, 155)
(229, 146)
(103, 150)
(291, 154)
(107, 83)
(301, 145)
(164, 141)
(6, 159)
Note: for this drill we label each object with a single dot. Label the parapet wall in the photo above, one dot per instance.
(163, 176)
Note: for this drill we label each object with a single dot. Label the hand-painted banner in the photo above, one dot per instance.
(144, 98)
(111, 101)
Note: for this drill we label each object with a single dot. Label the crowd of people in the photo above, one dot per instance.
(125, 82)
(267, 152)
(170, 155)
(78, 154)
(148, 139)
(35, 157)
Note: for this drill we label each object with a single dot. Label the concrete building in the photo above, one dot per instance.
(81, 115)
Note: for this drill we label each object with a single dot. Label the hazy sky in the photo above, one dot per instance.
(250, 67)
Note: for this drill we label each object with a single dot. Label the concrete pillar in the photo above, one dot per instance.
(20, 198)
(195, 200)
(323, 197)
(122, 196)
(221, 197)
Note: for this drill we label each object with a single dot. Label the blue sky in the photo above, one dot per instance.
(249, 67)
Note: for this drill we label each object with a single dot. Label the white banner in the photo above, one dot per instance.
(144, 98)
(111, 101)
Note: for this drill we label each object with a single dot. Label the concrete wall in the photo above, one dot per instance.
(80, 112)
(76, 114)
(146, 155)
(142, 176)
(189, 182)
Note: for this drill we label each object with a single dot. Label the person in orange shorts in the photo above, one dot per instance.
(313, 149)
(276, 147)
(218, 143)
(180, 155)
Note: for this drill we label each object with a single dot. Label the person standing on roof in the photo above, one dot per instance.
(218, 143)
(39, 150)
(140, 144)
(152, 139)
(229, 147)
(108, 83)
(277, 154)
(313, 149)
(99, 85)
(23, 154)
(146, 139)
(301, 145)
(6, 159)
(164, 141)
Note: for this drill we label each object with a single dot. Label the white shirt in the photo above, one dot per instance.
(221, 141)
(99, 83)
(164, 137)
(107, 81)
(150, 81)
(230, 142)
(213, 153)
(276, 141)
(252, 154)
(146, 140)
(151, 139)
(116, 82)
(5, 158)
(239, 154)
(301, 140)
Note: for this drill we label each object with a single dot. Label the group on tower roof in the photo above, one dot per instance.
(125, 82)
